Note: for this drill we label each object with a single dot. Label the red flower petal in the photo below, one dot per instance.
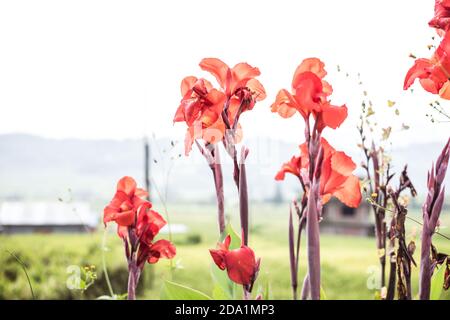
(313, 65)
(187, 84)
(332, 116)
(161, 249)
(308, 92)
(218, 69)
(241, 265)
(349, 192)
(284, 104)
(127, 185)
(218, 257)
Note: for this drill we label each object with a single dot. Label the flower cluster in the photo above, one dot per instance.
(137, 225)
(212, 116)
(322, 171)
(309, 96)
(209, 112)
(434, 73)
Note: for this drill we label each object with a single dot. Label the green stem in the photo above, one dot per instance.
(24, 270)
(105, 271)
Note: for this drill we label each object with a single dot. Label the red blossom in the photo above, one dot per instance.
(138, 224)
(434, 73)
(309, 96)
(241, 265)
(336, 177)
(441, 19)
(207, 111)
(201, 108)
(124, 206)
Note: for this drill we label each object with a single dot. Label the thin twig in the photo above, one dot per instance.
(412, 219)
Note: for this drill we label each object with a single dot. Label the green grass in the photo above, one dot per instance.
(348, 262)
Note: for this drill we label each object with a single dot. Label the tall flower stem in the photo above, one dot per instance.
(294, 270)
(212, 156)
(243, 196)
(431, 212)
(134, 273)
(294, 247)
(218, 182)
(313, 243)
(312, 218)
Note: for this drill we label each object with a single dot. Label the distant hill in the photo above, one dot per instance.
(33, 167)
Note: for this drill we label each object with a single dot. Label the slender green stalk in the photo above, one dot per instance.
(105, 271)
(24, 270)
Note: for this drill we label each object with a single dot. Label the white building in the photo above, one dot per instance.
(46, 217)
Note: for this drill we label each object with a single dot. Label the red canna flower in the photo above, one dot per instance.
(238, 83)
(208, 112)
(309, 96)
(138, 226)
(336, 174)
(336, 177)
(241, 264)
(441, 19)
(124, 206)
(201, 108)
(433, 74)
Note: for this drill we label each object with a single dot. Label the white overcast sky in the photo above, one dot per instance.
(112, 69)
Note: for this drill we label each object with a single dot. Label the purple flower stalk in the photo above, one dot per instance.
(431, 211)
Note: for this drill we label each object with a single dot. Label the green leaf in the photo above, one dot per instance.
(220, 278)
(235, 238)
(175, 291)
(437, 281)
(219, 293)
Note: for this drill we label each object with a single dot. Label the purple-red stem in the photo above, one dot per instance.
(218, 182)
(293, 266)
(243, 196)
(313, 242)
(425, 265)
(134, 273)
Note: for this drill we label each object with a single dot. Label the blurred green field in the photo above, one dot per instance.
(348, 263)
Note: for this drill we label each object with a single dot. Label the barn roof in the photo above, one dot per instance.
(47, 213)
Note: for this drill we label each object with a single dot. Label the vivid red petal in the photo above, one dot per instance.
(241, 74)
(187, 84)
(284, 104)
(109, 213)
(127, 185)
(218, 69)
(342, 163)
(163, 249)
(125, 218)
(259, 93)
(333, 116)
(241, 265)
(350, 192)
(313, 65)
(432, 78)
(308, 92)
(218, 258)
(292, 167)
